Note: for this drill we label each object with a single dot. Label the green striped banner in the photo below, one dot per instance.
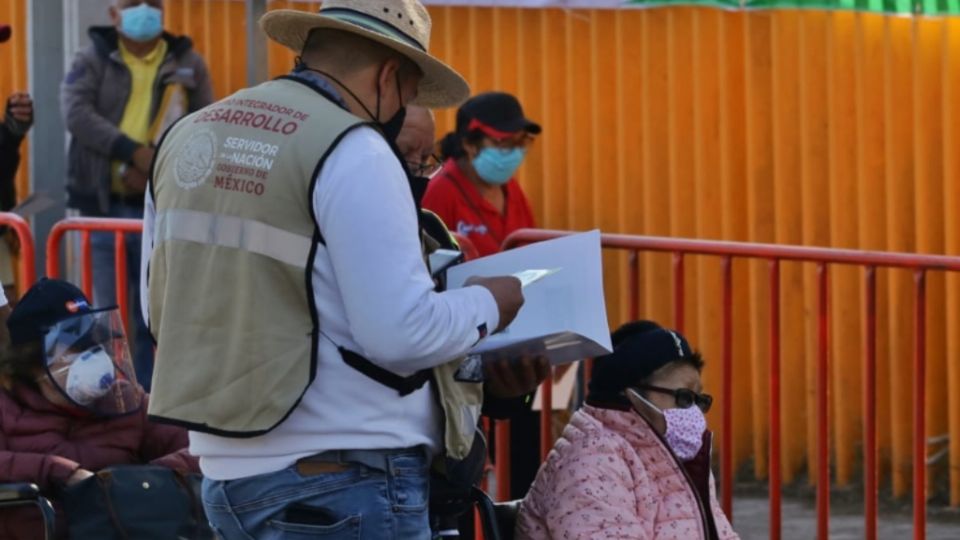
(901, 7)
(916, 7)
(894, 7)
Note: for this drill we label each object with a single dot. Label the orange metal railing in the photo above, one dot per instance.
(680, 249)
(86, 226)
(823, 258)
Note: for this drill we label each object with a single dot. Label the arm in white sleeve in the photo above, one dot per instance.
(365, 212)
(146, 251)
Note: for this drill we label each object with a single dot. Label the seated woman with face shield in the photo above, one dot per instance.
(635, 461)
(70, 403)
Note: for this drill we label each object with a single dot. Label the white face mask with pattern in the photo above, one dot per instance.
(685, 428)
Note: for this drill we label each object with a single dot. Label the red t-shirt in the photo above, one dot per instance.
(457, 201)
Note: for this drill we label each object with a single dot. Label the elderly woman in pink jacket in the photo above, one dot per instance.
(635, 461)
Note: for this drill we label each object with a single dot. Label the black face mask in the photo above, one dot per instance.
(418, 187)
(391, 128)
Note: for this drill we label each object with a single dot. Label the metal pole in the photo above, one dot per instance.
(823, 404)
(48, 167)
(256, 43)
(870, 490)
(774, 479)
(919, 406)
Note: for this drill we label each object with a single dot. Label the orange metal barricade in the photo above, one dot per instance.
(28, 261)
(823, 258)
(86, 226)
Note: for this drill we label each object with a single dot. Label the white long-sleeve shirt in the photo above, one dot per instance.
(374, 295)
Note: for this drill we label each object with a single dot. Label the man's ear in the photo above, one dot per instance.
(389, 71)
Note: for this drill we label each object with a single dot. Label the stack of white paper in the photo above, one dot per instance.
(564, 316)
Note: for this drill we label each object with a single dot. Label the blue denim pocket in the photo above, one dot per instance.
(348, 528)
(409, 483)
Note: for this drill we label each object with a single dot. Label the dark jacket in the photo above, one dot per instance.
(9, 161)
(43, 444)
(93, 97)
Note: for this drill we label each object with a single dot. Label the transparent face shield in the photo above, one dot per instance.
(87, 360)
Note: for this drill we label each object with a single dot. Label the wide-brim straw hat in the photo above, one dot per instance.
(402, 25)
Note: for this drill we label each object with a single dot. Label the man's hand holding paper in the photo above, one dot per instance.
(507, 291)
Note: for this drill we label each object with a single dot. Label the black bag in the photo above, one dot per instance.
(136, 502)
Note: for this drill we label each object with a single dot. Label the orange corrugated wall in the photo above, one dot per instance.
(800, 127)
(13, 74)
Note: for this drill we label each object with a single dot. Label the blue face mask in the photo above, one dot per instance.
(497, 166)
(141, 23)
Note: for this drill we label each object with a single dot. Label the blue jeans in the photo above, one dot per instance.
(105, 287)
(360, 503)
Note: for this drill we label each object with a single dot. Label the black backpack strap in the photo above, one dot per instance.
(403, 385)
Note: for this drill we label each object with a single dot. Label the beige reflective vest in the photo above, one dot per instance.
(233, 251)
(234, 241)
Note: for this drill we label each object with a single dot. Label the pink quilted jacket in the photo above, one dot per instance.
(611, 476)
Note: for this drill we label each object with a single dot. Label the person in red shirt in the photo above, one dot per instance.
(475, 193)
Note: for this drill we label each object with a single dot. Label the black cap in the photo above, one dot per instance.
(646, 348)
(48, 302)
(496, 114)
(5, 32)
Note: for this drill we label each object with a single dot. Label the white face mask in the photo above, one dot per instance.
(685, 428)
(90, 376)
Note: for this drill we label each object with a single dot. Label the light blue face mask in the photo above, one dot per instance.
(497, 166)
(141, 23)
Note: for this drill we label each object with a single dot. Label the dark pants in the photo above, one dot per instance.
(105, 287)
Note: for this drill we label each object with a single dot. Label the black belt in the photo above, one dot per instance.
(377, 459)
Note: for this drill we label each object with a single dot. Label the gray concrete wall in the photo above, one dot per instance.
(80, 15)
(51, 53)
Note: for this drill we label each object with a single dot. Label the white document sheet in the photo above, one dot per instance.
(564, 316)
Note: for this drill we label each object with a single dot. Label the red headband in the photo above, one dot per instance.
(489, 130)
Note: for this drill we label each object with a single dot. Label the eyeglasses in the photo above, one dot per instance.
(685, 397)
(426, 168)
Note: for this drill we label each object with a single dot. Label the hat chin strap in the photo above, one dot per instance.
(374, 117)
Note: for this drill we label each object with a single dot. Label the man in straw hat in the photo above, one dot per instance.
(297, 325)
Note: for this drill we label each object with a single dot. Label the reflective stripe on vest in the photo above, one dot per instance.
(233, 232)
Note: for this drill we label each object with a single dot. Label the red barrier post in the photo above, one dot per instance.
(634, 285)
(870, 489)
(774, 462)
(28, 254)
(726, 452)
(120, 273)
(919, 410)
(501, 466)
(86, 264)
(823, 405)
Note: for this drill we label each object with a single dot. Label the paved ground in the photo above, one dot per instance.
(751, 520)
